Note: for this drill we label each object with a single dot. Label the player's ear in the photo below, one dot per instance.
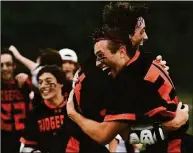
(123, 51)
(14, 66)
(61, 85)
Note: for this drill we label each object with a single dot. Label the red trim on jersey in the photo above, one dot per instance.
(176, 99)
(157, 64)
(174, 146)
(103, 112)
(161, 110)
(28, 82)
(73, 145)
(78, 88)
(48, 104)
(126, 116)
(134, 58)
(27, 142)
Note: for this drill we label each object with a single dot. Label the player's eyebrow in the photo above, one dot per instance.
(47, 79)
(99, 52)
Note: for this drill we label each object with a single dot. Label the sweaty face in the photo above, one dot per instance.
(7, 67)
(69, 67)
(140, 34)
(48, 86)
(105, 59)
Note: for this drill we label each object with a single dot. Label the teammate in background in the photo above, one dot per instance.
(133, 81)
(15, 103)
(45, 119)
(47, 57)
(70, 62)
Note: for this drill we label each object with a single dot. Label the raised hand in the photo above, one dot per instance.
(162, 63)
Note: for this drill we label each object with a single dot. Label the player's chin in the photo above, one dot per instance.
(47, 96)
(6, 76)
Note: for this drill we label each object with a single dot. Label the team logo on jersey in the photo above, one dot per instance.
(50, 123)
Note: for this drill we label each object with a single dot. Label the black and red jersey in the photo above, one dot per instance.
(90, 92)
(143, 93)
(15, 105)
(43, 125)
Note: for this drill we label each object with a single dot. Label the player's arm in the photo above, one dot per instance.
(179, 120)
(31, 65)
(102, 133)
(181, 114)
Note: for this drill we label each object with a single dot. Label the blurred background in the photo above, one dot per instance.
(34, 25)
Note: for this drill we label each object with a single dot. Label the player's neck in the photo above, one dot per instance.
(57, 100)
(8, 81)
(120, 65)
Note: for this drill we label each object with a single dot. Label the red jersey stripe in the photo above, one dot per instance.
(126, 116)
(174, 146)
(27, 142)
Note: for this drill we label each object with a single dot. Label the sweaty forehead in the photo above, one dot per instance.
(6, 58)
(100, 46)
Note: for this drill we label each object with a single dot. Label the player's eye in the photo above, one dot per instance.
(8, 64)
(40, 82)
(142, 31)
(100, 56)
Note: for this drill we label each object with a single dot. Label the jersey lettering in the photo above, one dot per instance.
(50, 123)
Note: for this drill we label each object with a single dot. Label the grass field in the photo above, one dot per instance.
(188, 99)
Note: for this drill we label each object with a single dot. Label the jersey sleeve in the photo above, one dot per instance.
(141, 99)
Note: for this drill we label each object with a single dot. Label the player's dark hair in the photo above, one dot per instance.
(117, 37)
(7, 51)
(50, 57)
(124, 14)
(57, 72)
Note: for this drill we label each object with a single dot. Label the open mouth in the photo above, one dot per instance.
(45, 92)
(107, 70)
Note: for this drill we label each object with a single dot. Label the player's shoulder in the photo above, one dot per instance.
(140, 67)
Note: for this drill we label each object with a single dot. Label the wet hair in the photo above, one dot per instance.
(124, 14)
(117, 37)
(7, 51)
(60, 76)
(50, 57)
